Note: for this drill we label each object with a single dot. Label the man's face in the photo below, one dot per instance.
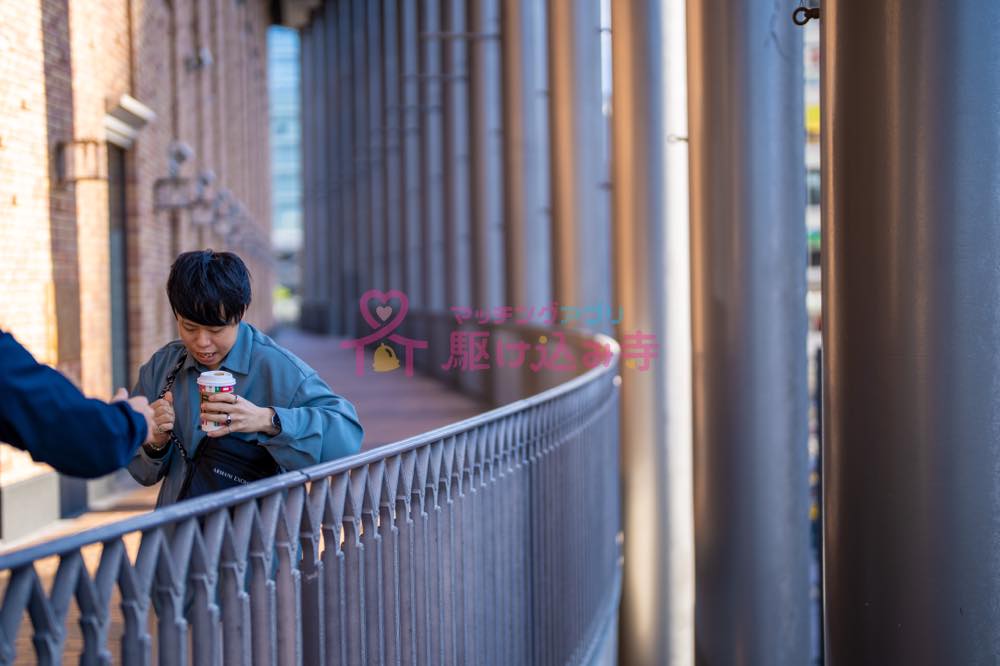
(207, 344)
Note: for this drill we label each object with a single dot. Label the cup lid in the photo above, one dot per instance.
(216, 378)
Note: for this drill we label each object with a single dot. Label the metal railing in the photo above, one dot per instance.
(492, 541)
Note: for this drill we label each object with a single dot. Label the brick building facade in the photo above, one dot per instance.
(93, 95)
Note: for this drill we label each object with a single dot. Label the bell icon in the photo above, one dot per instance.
(384, 359)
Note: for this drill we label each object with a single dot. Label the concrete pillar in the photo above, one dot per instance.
(393, 148)
(376, 146)
(748, 249)
(911, 318)
(458, 181)
(652, 270)
(487, 155)
(310, 258)
(362, 140)
(432, 153)
(351, 290)
(528, 205)
(581, 206)
(319, 169)
(334, 218)
(413, 243)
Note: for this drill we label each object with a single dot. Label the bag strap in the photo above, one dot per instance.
(172, 375)
(167, 385)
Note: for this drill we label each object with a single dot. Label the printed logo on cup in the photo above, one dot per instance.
(209, 383)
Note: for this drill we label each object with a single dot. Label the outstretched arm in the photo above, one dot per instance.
(42, 413)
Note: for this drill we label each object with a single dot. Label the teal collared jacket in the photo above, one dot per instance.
(317, 425)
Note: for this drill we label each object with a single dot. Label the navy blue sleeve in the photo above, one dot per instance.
(42, 413)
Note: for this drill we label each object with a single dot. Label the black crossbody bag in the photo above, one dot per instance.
(220, 462)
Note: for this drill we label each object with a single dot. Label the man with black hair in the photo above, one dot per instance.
(279, 403)
(38, 404)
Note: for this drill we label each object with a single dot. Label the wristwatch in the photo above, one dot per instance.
(275, 421)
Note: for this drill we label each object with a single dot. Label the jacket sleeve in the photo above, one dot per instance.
(44, 414)
(144, 468)
(318, 426)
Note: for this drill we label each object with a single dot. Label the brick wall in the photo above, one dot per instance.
(62, 63)
(226, 133)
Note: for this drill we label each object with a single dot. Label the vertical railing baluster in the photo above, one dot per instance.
(539, 511)
(334, 570)
(95, 614)
(169, 590)
(422, 564)
(539, 563)
(525, 533)
(468, 518)
(458, 536)
(200, 609)
(354, 566)
(531, 565)
(372, 546)
(172, 638)
(48, 615)
(506, 545)
(552, 552)
(576, 505)
(566, 456)
(433, 571)
(135, 584)
(544, 508)
(236, 618)
(496, 507)
(499, 562)
(544, 544)
(313, 607)
(288, 579)
(480, 601)
(492, 507)
(586, 547)
(407, 592)
(409, 607)
(389, 533)
(233, 598)
(483, 549)
(446, 548)
(517, 544)
(263, 604)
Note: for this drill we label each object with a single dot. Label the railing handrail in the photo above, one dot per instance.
(203, 505)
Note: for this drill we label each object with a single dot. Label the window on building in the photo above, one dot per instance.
(812, 187)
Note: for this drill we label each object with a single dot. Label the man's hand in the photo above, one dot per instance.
(141, 406)
(235, 414)
(163, 418)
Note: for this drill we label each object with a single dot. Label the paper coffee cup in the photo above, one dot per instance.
(210, 383)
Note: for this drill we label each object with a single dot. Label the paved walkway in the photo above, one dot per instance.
(391, 406)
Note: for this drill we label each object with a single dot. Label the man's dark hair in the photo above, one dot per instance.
(209, 288)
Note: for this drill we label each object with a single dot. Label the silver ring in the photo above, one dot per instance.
(229, 421)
